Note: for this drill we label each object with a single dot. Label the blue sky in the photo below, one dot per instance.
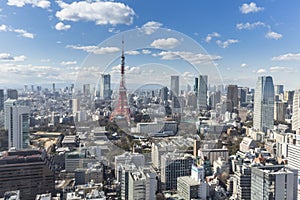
(48, 41)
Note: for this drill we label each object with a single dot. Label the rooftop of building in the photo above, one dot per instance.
(214, 150)
(247, 140)
(188, 180)
(137, 175)
(129, 155)
(11, 195)
(47, 134)
(20, 156)
(157, 122)
(177, 156)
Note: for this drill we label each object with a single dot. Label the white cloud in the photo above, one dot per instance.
(8, 57)
(194, 58)
(23, 33)
(249, 8)
(61, 26)
(101, 12)
(34, 3)
(95, 49)
(5, 56)
(65, 63)
(287, 57)
(226, 43)
(273, 35)
(134, 70)
(249, 26)
(128, 70)
(3, 27)
(211, 35)
(40, 74)
(168, 43)
(261, 71)
(188, 75)
(146, 51)
(244, 65)
(281, 69)
(20, 58)
(113, 30)
(133, 53)
(28, 72)
(150, 27)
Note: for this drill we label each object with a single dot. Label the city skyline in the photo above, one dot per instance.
(120, 99)
(257, 38)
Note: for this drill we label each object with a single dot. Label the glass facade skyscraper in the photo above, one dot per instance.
(264, 104)
(175, 85)
(103, 89)
(202, 92)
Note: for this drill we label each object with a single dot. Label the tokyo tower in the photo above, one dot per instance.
(122, 109)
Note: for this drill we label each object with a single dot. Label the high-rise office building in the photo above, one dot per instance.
(232, 97)
(264, 104)
(196, 85)
(242, 182)
(296, 111)
(163, 94)
(212, 154)
(175, 85)
(289, 96)
(196, 147)
(275, 182)
(95, 172)
(77, 159)
(214, 99)
(279, 89)
(53, 87)
(174, 165)
(38, 88)
(75, 105)
(137, 183)
(202, 92)
(12, 94)
(104, 91)
(142, 184)
(242, 96)
(280, 111)
(86, 89)
(159, 149)
(194, 186)
(291, 151)
(1, 99)
(25, 88)
(177, 104)
(293, 156)
(29, 171)
(191, 100)
(129, 158)
(17, 123)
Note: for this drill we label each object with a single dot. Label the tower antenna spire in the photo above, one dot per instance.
(122, 58)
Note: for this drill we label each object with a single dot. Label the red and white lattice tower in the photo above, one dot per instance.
(122, 109)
